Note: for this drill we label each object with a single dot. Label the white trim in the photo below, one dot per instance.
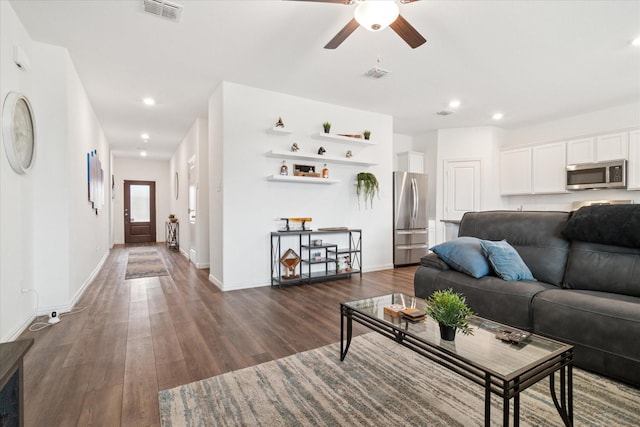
(202, 265)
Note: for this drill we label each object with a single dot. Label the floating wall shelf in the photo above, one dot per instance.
(279, 131)
(281, 154)
(340, 138)
(302, 179)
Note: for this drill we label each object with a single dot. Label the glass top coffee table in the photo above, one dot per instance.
(501, 368)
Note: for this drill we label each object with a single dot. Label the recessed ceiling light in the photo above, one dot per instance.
(143, 153)
(497, 116)
(454, 104)
(144, 136)
(148, 101)
(636, 41)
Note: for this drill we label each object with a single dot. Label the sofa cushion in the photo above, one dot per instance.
(464, 255)
(433, 261)
(489, 297)
(607, 224)
(607, 268)
(604, 326)
(535, 235)
(505, 261)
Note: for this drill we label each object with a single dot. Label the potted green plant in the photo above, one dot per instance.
(367, 187)
(173, 218)
(451, 311)
(367, 134)
(326, 126)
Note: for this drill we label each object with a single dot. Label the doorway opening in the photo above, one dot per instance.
(139, 211)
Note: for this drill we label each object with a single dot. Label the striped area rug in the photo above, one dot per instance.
(380, 383)
(144, 263)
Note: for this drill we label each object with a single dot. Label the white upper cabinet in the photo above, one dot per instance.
(581, 151)
(633, 173)
(515, 171)
(549, 172)
(603, 148)
(411, 161)
(533, 170)
(614, 146)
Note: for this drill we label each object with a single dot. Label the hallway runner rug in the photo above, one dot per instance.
(380, 383)
(144, 264)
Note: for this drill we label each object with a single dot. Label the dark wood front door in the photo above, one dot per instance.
(139, 211)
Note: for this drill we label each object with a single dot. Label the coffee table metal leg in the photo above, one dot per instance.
(346, 316)
(565, 406)
(487, 400)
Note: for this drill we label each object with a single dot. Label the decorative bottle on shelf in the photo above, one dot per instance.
(284, 169)
(325, 171)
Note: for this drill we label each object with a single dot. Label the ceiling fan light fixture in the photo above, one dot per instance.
(376, 15)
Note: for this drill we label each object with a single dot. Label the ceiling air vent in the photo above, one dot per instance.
(163, 8)
(376, 73)
(444, 112)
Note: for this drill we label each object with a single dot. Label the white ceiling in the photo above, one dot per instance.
(532, 60)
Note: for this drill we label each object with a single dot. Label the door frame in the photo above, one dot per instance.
(131, 238)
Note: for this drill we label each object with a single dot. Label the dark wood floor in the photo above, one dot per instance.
(105, 365)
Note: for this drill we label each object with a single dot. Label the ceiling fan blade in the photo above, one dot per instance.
(343, 34)
(329, 1)
(407, 32)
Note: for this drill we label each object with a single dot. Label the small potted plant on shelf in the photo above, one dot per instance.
(326, 126)
(367, 134)
(367, 187)
(173, 218)
(451, 311)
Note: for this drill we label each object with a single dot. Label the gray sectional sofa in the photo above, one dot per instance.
(587, 292)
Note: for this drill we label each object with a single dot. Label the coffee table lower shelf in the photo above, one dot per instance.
(507, 387)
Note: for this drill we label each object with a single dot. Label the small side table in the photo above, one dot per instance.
(172, 235)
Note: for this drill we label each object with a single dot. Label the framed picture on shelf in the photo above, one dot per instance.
(305, 170)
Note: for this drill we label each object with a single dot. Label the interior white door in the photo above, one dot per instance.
(462, 188)
(193, 198)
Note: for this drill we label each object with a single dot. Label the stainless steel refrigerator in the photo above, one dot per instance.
(410, 233)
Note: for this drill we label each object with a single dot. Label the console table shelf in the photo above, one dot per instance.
(318, 262)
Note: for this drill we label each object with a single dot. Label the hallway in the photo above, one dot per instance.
(106, 364)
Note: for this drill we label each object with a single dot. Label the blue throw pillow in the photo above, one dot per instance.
(506, 261)
(464, 254)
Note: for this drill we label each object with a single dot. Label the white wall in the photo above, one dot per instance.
(250, 203)
(134, 169)
(216, 190)
(51, 242)
(473, 143)
(16, 192)
(194, 145)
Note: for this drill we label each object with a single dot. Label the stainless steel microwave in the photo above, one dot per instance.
(586, 176)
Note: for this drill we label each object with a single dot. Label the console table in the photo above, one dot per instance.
(172, 235)
(318, 259)
(11, 382)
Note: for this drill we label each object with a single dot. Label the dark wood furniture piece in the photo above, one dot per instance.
(11, 382)
(501, 368)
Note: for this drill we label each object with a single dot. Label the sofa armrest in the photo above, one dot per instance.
(433, 261)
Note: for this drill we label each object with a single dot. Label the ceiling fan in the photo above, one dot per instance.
(376, 15)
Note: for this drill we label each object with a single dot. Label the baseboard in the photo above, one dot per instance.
(13, 335)
(378, 268)
(62, 308)
(184, 253)
(216, 282)
(87, 282)
(200, 266)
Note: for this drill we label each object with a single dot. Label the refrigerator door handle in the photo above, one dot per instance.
(408, 247)
(414, 204)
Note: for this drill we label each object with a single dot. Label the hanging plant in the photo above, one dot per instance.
(367, 187)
